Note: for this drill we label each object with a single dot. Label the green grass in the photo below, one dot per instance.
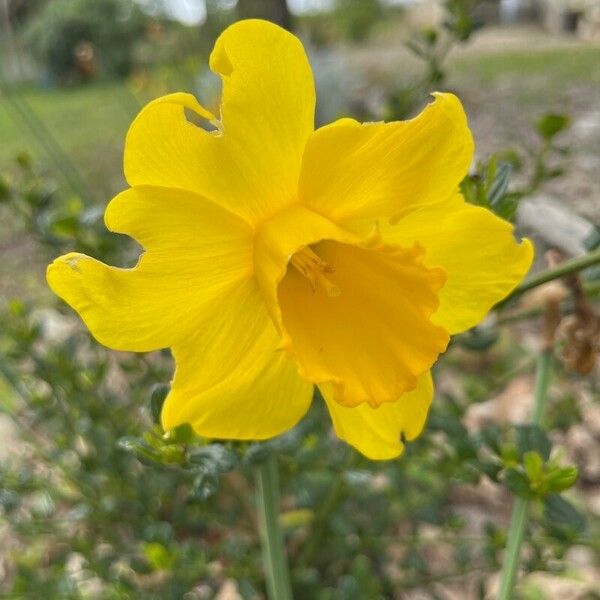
(577, 64)
(88, 123)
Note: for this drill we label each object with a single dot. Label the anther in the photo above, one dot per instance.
(309, 265)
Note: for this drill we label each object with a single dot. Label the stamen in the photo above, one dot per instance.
(310, 266)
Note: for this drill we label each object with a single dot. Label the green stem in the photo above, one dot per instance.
(518, 520)
(542, 381)
(564, 268)
(273, 550)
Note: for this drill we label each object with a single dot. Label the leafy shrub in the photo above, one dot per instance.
(75, 38)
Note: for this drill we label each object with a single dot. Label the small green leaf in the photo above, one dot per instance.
(9, 500)
(531, 437)
(490, 171)
(550, 125)
(159, 557)
(489, 468)
(141, 449)
(506, 207)
(430, 35)
(559, 511)
(214, 458)
(592, 241)
(4, 189)
(534, 465)
(157, 399)
(517, 482)
(182, 434)
(292, 519)
(561, 478)
(499, 186)
(65, 227)
(469, 190)
(258, 452)
(510, 455)
(479, 339)
(490, 437)
(205, 485)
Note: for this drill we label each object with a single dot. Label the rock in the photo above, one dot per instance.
(583, 448)
(512, 405)
(556, 225)
(229, 591)
(560, 586)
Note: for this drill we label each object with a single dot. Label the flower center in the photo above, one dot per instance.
(310, 266)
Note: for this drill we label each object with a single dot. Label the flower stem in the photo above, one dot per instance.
(518, 520)
(542, 381)
(564, 268)
(273, 550)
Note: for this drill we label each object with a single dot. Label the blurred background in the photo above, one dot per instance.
(96, 503)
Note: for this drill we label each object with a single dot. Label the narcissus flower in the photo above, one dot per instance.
(278, 257)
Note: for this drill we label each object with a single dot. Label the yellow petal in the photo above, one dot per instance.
(231, 381)
(353, 171)
(477, 250)
(377, 432)
(196, 253)
(251, 163)
(350, 310)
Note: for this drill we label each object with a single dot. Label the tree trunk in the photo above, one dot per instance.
(276, 11)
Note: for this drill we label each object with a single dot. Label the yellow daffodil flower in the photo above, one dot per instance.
(278, 257)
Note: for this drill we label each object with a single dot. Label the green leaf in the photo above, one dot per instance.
(506, 207)
(490, 171)
(490, 437)
(430, 35)
(182, 434)
(592, 241)
(4, 189)
(65, 227)
(478, 339)
(159, 557)
(141, 449)
(550, 125)
(214, 458)
(293, 519)
(559, 511)
(561, 478)
(469, 190)
(534, 465)
(499, 186)
(9, 500)
(517, 482)
(205, 485)
(157, 399)
(531, 437)
(257, 453)
(489, 468)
